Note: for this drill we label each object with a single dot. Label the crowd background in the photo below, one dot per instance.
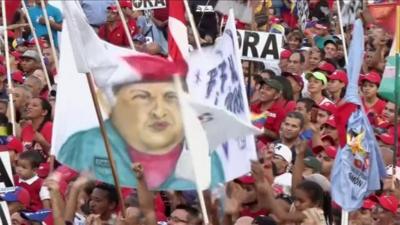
(290, 184)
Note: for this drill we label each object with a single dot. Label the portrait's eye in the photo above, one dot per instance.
(140, 96)
(171, 96)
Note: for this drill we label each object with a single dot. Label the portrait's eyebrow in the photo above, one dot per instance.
(132, 91)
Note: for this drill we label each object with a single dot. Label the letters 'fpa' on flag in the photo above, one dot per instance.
(359, 167)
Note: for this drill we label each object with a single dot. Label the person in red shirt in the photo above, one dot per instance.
(26, 177)
(270, 92)
(36, 134)
(337, 83)
(369, 87)
(113, 30)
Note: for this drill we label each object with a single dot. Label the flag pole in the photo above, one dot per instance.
(396, 93)
(341, 30)
(178, 86)
(53, 47)
(124, 24)
(39, 50)
(8, 70)
(345, 214)
(106, 141)
(192, 25)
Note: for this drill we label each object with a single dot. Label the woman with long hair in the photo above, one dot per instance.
(37, 130)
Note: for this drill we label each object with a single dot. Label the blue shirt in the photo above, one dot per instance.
(85, 151)
(96, 11)
(54, 13)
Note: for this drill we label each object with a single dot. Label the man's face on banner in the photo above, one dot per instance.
(147, 116)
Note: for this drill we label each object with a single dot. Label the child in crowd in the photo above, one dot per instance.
(26, 177)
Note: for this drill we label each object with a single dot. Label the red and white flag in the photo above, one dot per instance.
(178, 45)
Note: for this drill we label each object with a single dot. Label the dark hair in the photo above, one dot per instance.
(45, 106)
(296, 34)
(270, 72)
(317, 50)
(308, 102)
(302, 58)
(286, 86)
(194, 215)
(34, 157)
(296, 115)
(318, 196)
(112, 195)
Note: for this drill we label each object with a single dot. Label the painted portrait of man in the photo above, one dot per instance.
(144, 126)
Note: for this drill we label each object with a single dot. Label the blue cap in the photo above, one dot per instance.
(38, 216)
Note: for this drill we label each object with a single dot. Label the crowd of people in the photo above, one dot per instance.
(291, 181)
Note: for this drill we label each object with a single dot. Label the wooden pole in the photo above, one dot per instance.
(8, 69)
(124, 24)
(345, 214)
(396, 94)
(178, 86)
(106, 141)
(342, 31)
(39, 50)
(192, 25)
(53, 47)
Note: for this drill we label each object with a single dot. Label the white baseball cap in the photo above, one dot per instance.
(283, 151)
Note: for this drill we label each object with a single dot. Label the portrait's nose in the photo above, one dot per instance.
(159, 110)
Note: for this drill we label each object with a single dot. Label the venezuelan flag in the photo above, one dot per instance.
(258, 120)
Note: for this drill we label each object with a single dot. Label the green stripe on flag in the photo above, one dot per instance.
(388, 85)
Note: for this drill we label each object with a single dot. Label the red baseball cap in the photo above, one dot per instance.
(17, 55)
(285, 54)
(386, 138)
(327, 67)
(331, 151)
(247, 179)
(112, 8)
(372, 77)
(18, 77)
(329, 107)
(388, 202)
(339, 75)
(298, 79)
(14, 144)
(125, 4)
(331, 121)
(368, 204)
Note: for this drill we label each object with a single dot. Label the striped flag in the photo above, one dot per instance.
(388, 85)
(11, 9)
(178, 45)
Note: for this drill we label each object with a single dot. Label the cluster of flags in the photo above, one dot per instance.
(75, 110)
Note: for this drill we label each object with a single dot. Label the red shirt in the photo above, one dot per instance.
(28, 133)
(376, 109)
(33, 186)
(288, 106)
(248, 212)
(117, 35)
(274, 119)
